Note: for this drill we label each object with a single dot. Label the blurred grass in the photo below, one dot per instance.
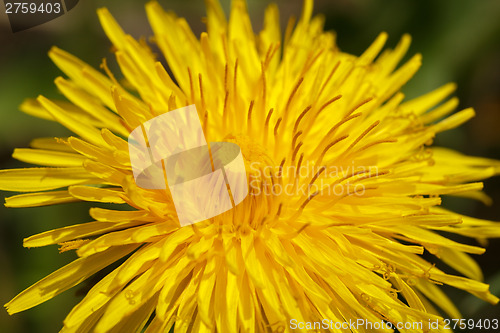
(458, 40)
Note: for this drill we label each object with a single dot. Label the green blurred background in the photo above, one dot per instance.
(459, 41)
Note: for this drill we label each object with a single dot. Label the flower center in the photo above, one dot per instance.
(254, 154)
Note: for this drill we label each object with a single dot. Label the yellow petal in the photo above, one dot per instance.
(57, 144)
(130, 300)
(93, 303)
(43, 179)
(108, 215)
(65, 278)
(175, 281)
(462, 262)
(108, 174)
(48, 157)
(39, 199)
(454, 120)
(206, 291)
(83, 75)
(103, 155)
(96, 194)
(91, 105)
(423, 103)
(34, 108)
(73, 232)
(134, 235)
(86, 131)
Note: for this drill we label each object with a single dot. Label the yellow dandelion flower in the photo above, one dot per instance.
(344, 188)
